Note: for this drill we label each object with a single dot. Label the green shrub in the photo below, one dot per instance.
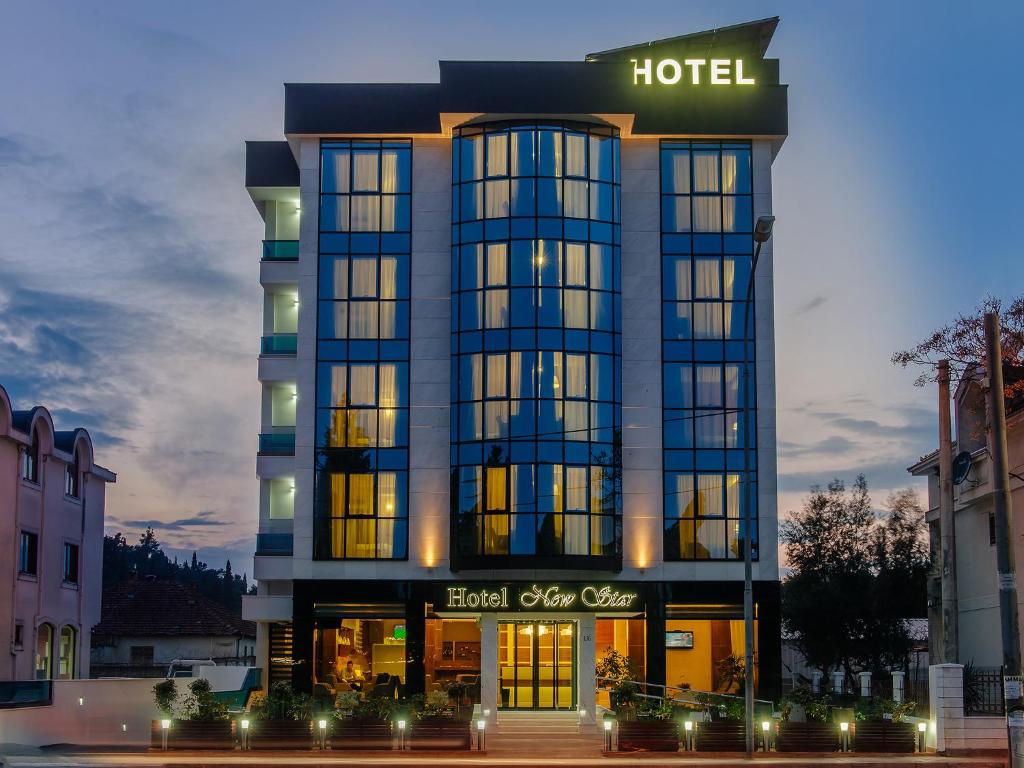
(165, 694)
(201, 705)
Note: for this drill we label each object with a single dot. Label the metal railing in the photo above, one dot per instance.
(279, 544)
(280, 250)
(686, 697)
(277, 444)
(983, 692)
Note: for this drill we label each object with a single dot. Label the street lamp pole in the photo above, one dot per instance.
(762, 231)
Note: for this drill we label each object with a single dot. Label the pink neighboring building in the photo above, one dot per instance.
(51, 545)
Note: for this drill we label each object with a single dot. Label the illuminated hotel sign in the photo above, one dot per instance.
(689, 72)
(537, 597)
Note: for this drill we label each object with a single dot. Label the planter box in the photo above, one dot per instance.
(721, 736)
(648, 736)
(188, 734)
(361, 734)
(883, 736)
(807, 737)
(281, 734)
(440, 734)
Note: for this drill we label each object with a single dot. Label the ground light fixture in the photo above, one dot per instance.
(688, 734)
(481, 725)
(844, 737)
(245, 733)
(762, 231)
(165, 726)
(607, 735)
(766, 730)
(323, 733)
(922, 727)
(401, 734)
(81, 701)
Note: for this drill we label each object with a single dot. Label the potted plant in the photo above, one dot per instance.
(654, 729)
(623, 699)
(458, 695)
(881, 726)
(362, 723)
(282, 719)
(434, 725)
(611, 669)
(725, 731)
(815, 732)
(198, 722)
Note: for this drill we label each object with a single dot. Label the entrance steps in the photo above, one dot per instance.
(555, 734)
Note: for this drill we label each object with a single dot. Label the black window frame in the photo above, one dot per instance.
(28, 553)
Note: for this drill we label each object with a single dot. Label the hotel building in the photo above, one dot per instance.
(503, 427)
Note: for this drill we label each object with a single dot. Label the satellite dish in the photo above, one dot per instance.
(961, 467)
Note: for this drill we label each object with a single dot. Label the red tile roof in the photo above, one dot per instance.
(144, 608)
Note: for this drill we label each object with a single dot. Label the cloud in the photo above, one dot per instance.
(830, 446)
(199, 520)
(811, 305)
(881, 474)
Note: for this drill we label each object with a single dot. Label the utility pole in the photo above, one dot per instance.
(947, 525)
(1006, 571)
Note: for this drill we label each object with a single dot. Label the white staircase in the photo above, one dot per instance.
(556, 734)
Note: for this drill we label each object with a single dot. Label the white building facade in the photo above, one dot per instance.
(503, 425)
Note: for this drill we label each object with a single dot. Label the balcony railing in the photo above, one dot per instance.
(279, 344)
(280, 250)
(277, 444)
(274, 544)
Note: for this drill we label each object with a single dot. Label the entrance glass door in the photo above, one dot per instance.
(537, 665)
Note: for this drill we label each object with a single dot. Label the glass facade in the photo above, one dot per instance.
(362, 389)
(706, 246)
(536, 345)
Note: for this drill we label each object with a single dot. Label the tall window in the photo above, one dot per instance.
(706, 245)
(70, 563)
(73, 477)
(30, 461)
(28, 553)
(44, 652)
(362, 423)
(536, 380)
(66, 653)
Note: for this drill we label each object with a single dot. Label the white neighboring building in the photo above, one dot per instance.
(147, 624)
(52, 497)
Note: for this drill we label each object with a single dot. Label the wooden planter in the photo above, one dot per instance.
(191, 734)
(883, 736)
(440, 734)
(648, 736)
(807, 737)
(361, 734)
(281, 734)
(721, 736)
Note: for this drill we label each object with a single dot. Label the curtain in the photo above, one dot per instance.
(705, 172)
(388, 320)
(496, 419)
(732, 384)
(340, 329)
(477, 377)
(575, 375)
(729, 214)
(732, 495)
(340, 281)
(707, 282)
(334, 213)
(389, 171)
(385, 539)
(362, 428)
(387, 428)
(601, 490)
(576, 420)
(388, 386)
(473, 157)
(684, 289)
(709, 386)
(729, 279)
(338, 386)
(364, 319)
(575, 309)
(729, 172)
(575, 264)
(496, 375)
(387, 500)
(707, 214)
(680, 213)
(360, 538)
(388, 277)
(575, 155)
(338, 495)
(364, 278)
(338, 170)
(709, 490)
(496, 492)
(497, 264)
(515, 375)
(684, 500)
(338, 537)
(576, 199)
(364, 388)
(680, 181)
(360, 492)
(599, 272)
(523, 156)
(336, 429)
(497, 199)
(707, 320)
(496, 309)
(497, 160)
(365, 212)
(365, 176)
(388, 213)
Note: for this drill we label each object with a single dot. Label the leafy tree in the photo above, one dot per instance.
(855, 579)
(962, 342)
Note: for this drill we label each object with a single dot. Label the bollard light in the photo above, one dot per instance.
(401, 725)
(688, 725)
(922, 727)
(765, 729)
(245, 725)
(844, 729)
(165, 724)
(323, 725)
(480, 726)
(607, 735)
(607, 725)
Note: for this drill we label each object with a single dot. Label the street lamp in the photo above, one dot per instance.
(762, 231)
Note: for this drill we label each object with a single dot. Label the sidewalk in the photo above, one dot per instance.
(72, 759)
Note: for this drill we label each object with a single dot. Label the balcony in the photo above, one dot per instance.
(279, 344)
(277, 444)
(274, 544)
(266, 608)
(280, 250)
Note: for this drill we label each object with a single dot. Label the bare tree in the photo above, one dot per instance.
(962, 342)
